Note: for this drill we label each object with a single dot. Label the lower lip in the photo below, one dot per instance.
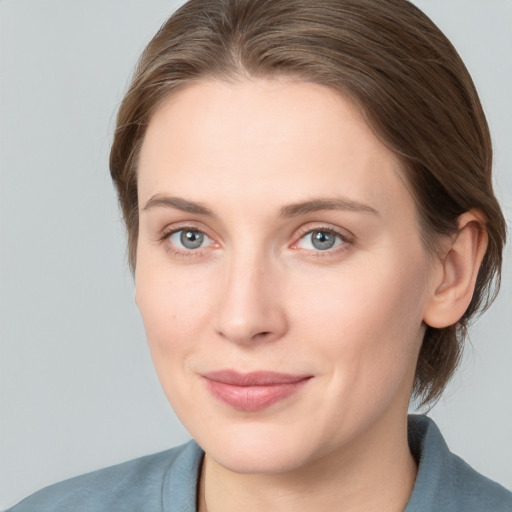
(253, 398)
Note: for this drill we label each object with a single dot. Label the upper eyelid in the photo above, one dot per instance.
(174, 228)
(310, 228)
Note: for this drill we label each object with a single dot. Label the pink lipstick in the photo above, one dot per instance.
(253, 391)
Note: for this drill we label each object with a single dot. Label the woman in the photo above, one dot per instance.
(311, 224)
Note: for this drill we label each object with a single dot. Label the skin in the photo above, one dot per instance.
(258, 295)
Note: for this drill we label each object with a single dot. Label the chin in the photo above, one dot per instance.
(259, 458)
(256, 448)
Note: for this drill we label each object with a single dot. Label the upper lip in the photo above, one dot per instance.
(257, 378)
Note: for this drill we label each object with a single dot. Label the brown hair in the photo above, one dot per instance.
(389, 58)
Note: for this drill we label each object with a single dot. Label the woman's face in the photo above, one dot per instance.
(276, 235)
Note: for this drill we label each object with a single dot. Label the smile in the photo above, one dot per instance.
(252, 391)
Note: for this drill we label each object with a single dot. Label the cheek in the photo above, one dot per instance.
(366, 296)
(172, 314)
(367, 319)
(174, 307)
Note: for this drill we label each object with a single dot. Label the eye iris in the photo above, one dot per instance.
(191, 239)
(322, 240)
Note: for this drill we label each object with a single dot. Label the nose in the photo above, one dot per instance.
(250, 306)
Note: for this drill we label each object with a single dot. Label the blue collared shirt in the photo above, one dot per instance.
(167, 482)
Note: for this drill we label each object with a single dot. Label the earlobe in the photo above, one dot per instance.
(454, 289)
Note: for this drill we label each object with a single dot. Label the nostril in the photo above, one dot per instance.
(263, 334)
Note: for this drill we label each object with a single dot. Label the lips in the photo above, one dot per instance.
(252, 391)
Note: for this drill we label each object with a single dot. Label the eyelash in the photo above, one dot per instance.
(181, 253)
(346, 240)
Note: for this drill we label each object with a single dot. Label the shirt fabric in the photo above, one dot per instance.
(167, 482)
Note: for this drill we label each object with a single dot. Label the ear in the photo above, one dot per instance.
(454, 283)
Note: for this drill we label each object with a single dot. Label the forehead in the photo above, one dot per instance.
(247, 139)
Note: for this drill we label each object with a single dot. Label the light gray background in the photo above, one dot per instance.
(77, 387)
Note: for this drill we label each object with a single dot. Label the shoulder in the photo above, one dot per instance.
(137, 485)
(475, 490)
(445, 482)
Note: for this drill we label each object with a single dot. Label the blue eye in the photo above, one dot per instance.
(189, 239)
(320, 240)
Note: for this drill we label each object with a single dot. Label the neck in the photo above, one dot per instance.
(376, 473)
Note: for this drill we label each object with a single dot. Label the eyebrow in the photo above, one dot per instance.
(316, 205)
(179, 204)
(291, 210)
